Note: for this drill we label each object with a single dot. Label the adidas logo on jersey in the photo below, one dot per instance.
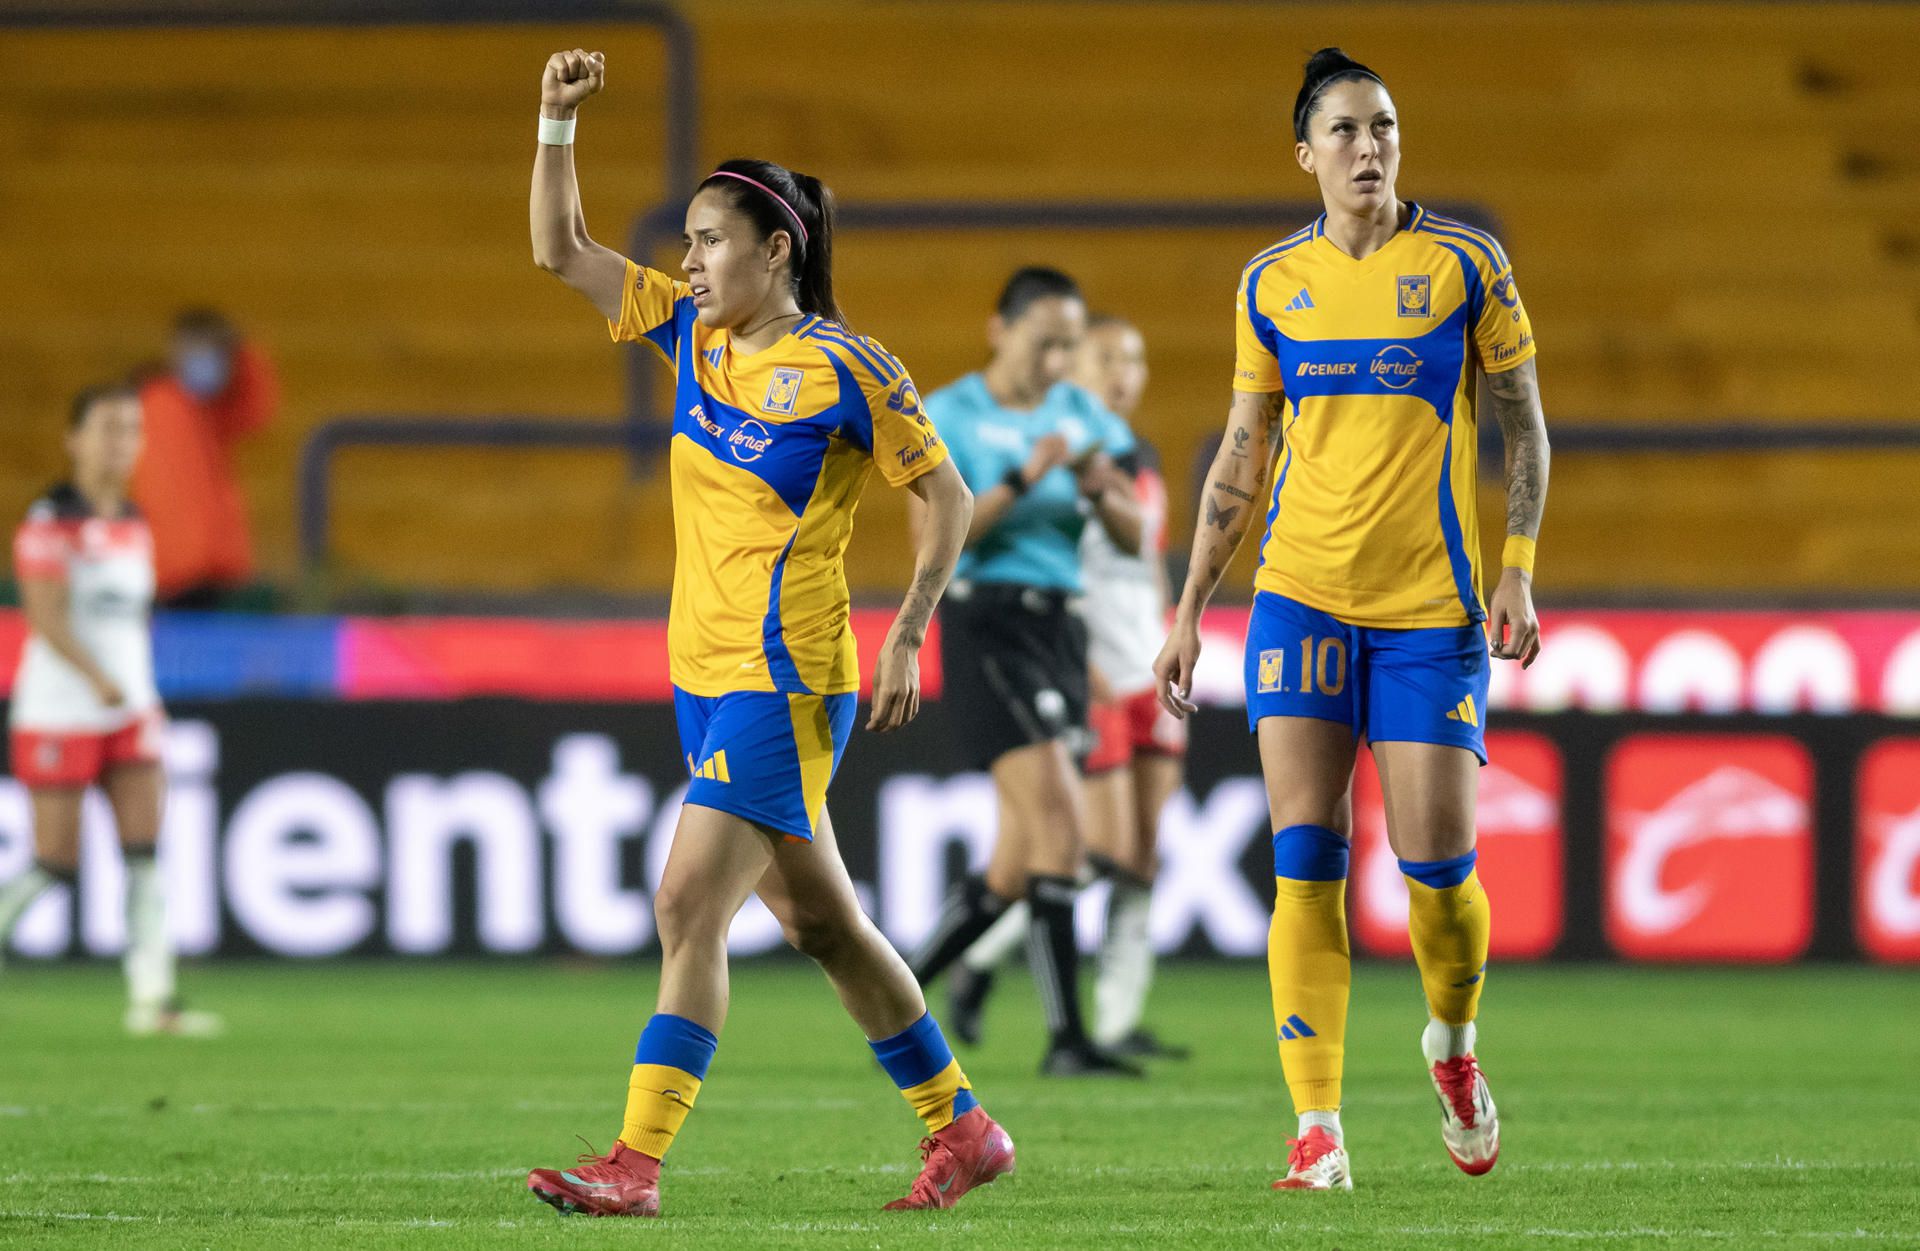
(714, 354)
(1301, 301)
(1465, 711)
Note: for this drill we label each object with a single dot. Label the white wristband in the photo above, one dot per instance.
(556, 132)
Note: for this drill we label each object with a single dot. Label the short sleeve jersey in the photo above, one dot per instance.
(1372, 517)
(769, 456)
(107, 566)
(1037, 542)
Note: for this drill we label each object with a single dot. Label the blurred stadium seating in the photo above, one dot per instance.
(1709, 223)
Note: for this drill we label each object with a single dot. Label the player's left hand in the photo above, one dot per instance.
(896, 683)
(1512, 627)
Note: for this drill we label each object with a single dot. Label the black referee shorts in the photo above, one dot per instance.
(1013, 665)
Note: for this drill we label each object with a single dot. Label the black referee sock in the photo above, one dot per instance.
(970, 911)
(1055, 957)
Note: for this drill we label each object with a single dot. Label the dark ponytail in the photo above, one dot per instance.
(774, 197)
(1325, 68)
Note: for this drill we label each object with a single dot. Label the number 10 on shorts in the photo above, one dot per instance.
(1323, 667)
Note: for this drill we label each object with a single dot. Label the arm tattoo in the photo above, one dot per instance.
(922, 596)
(1233, 490)
(1271, 412)
(1221, 518)
(1516, 404)
(1240, 436)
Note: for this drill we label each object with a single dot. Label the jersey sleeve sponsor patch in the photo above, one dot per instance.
(651, 310)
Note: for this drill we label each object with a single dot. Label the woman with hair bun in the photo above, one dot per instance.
(1361, 343)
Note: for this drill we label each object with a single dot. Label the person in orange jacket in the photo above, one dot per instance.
(216, 390)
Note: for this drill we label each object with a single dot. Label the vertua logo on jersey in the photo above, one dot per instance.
(1521, 847)
(1416, 295)
(782, 392)
(1887, 851)
(749, 441)
(1709, 847)
(1396, 366)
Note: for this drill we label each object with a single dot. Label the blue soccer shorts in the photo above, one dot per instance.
(1415, 686)
(764, 756)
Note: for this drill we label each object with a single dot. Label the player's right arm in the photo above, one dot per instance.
(1235, 486)
(561, 244)
(40, 563)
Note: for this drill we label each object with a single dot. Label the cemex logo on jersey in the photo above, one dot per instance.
(1521, 850)
(1709, 847)
(1887, 851)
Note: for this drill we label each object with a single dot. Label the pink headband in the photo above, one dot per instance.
(777, 198)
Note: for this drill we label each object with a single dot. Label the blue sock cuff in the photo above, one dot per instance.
(1310, 853)
(678, 1043)
(916, 1054)
(1440, 874)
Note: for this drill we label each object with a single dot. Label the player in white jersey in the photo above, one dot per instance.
(1135, 762)
(85, 710)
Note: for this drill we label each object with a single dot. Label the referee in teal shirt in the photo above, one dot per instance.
(1039, 454)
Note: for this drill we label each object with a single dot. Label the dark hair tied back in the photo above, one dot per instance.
(1031, 283)
(1325, 68)
(782, 200)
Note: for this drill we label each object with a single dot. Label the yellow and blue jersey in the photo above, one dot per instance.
(1372, 515)
(769, 456)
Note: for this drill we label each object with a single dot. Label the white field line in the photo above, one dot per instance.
(1069, 1171)
(729, 1103)
(1279, 1229)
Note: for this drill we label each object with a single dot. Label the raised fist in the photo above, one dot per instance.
(571, 77)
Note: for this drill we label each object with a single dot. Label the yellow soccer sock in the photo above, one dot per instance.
(922, 1066)
(1309, 962)
(1449, 922)
(668, 1067)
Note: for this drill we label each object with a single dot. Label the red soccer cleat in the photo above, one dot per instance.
(623, 1182)
(1316, 1162)
(1469, 1124)
(971, 1152)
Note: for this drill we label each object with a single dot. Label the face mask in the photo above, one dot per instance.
(204, 372)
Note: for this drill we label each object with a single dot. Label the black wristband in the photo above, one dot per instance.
(1015, 480)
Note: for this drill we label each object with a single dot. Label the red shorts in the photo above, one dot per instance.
(1130, 726)
(79, 759)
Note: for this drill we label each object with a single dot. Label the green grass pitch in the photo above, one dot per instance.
(399, 1105)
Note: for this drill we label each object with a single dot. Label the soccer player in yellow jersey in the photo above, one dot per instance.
(780, 414)
(1362, 339)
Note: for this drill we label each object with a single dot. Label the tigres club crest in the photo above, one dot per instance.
(782, 392)
(1416, 295)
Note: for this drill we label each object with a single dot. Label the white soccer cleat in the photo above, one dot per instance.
(147, 1020)
(1469, 1123)
(1316, 1162)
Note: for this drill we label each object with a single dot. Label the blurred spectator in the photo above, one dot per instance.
(216, 390)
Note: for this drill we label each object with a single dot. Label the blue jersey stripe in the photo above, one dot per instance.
(773, 632)
(1455, 537)
(1262, 324)
(1476, 290)
(828, 333)
(1484, 241)
(1285, 245)
(1485, 236)
(1273, 512)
